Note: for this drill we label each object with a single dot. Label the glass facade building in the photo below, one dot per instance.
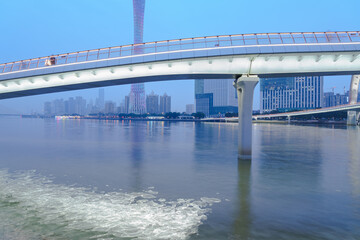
(291, 93)
(213, 97)
(204, 103)
(165, 103)
(332, 99)
(152, 103)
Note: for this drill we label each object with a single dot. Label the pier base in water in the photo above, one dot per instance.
(353, 118)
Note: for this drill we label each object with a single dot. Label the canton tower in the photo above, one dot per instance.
(137, 94)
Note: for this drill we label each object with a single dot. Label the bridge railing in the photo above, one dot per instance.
(187, 44)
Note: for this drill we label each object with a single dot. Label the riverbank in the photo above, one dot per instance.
(219, 120)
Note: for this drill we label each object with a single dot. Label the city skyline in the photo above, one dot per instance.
(164, 20)
(77, 105)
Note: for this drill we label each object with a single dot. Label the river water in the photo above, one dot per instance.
(88, 179)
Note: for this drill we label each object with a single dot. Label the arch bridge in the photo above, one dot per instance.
(244, 57)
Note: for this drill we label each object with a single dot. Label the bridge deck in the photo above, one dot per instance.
(346, 107)
(240, 44)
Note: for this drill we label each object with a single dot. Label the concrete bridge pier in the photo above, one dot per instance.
(245, 90)
(354, 89)
(353, 116)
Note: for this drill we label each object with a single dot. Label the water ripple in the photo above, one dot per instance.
(35, 205)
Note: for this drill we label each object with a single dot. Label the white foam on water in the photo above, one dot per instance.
(139, 215)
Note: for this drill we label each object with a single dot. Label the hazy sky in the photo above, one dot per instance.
(34, 28)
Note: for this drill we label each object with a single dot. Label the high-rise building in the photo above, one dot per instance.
(100, 101)
(137, 93)
(291, 93)
(127, 103)
(110, 107)
(80, 106)
(47, 109)
(58, 106)
(165, 103)
(204, 103)
(215, 96)
(124, 105)
(70, 106)
(190, 108)
(332, 99)
(137, 99)
(121, 108)
(329, 99)
(90, 107)
(152, 103)
(341, 99)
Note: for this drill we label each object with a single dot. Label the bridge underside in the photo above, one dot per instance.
(106, 83)
(65, 78)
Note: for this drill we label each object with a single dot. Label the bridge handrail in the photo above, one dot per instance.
(258, 39)
(310, 111)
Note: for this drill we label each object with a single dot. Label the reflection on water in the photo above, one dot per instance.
(135, 136)
(242, 224)
(354, 166)
(354, 160)
(82, 179)
(300, 187)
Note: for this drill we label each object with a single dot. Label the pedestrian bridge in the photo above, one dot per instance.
(244, 57)
(340, 108)
(265, 55)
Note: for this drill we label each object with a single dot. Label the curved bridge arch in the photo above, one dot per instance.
(265, 55)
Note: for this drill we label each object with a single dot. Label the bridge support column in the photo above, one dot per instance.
(354, 89)
(352, 117)
(245, 90)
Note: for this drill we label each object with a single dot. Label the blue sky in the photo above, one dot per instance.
(33, 28)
